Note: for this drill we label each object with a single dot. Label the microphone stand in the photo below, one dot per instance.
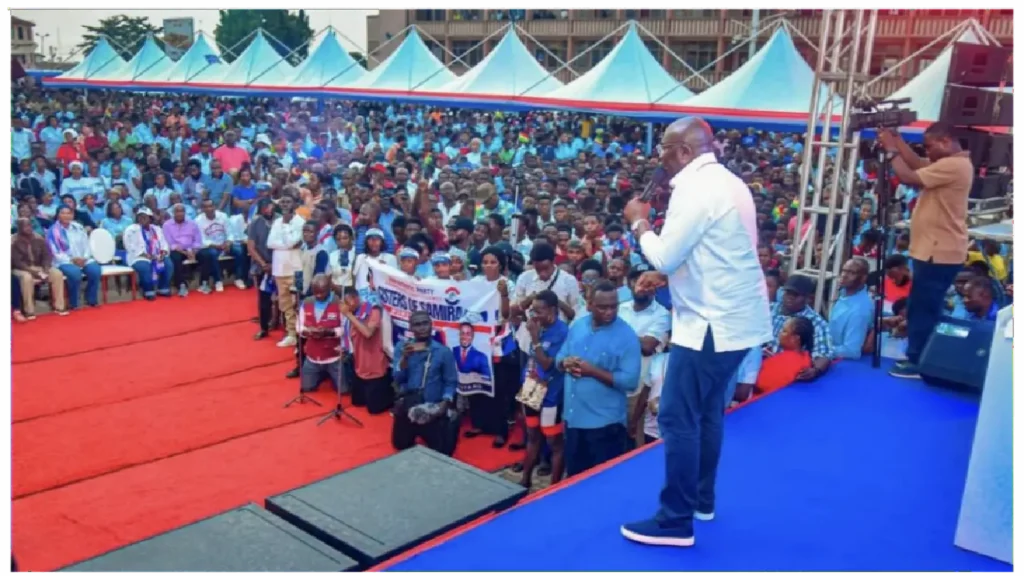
(883, 245)
(339, 410)
(302, 398)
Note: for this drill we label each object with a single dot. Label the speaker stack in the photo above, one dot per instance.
(979, 107)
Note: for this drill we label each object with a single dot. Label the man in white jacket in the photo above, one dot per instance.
(285, 239)
(213, 226)
(147, 252)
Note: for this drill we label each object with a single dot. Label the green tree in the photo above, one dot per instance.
(126, 34)
(291, 30)
(358, 57)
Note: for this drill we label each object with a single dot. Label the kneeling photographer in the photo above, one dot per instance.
(425, 374)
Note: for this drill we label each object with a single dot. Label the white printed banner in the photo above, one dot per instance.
(464, 315)
(178, 36)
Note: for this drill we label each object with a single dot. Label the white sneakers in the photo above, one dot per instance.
(240, 284)
(205, 288)
(287, 342)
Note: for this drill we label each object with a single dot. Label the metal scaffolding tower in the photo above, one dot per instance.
(830, 161)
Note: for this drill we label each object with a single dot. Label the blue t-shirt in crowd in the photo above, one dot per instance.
(243, 193)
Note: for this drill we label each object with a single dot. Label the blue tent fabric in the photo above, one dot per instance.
(927, 89)
(260, 64)
(509, 70)
(195, 60)
(101, 58)
(330, 62)
(149, 59)
(629, 74)
(776, 79)
(411, 66)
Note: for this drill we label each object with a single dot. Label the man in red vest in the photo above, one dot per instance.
(319, 324)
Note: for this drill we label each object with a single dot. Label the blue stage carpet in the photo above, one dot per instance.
(859, 471)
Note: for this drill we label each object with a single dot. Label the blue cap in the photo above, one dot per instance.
(375, 233)
(440, 258)
(407, 252)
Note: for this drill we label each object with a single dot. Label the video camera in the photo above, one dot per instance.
(884, 114)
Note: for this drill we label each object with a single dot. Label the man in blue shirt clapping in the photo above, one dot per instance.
(601, 363)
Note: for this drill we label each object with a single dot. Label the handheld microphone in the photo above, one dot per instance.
(657, 179)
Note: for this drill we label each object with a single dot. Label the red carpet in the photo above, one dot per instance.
(124, 323)
(46, 450)
(134, 451)
(57, 385)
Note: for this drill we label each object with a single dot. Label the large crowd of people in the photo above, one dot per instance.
(293, 199)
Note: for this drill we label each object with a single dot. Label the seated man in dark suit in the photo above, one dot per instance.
(425, 372)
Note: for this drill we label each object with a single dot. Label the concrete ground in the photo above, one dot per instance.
(539, 482)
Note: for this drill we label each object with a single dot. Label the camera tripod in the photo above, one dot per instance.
(883, 193)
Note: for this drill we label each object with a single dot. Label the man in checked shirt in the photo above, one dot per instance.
(796, 293)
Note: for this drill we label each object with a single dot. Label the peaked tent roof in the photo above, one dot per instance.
(330, 62)
(149, 58)
(776, 79)
(928, 88)
(101, 57)
(509, 70)
(200, 57)
(259, 64)
(412, 66)
(628, 74)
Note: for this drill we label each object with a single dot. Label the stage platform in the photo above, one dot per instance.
(383, 508)
(856, 472)
(246, 539)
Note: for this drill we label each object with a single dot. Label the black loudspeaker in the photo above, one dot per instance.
(956, 355)
(979, 65)
(986, 148)
(968, 106)
(994, 185)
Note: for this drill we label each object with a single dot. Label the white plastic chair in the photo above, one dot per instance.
(103, 247)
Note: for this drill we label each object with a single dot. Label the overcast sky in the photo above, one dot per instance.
(65, 26)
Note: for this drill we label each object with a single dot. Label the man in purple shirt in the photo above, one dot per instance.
(183, 238)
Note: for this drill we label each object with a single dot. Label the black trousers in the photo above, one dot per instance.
(376, 394)
(589, 447)
(264, 305)
(491, 415)
(178, 274)
(440, 434)
(924, 306)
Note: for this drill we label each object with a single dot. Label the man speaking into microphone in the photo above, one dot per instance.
(707, 255)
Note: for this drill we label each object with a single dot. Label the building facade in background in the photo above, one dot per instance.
(696, 36)
(23, 43)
